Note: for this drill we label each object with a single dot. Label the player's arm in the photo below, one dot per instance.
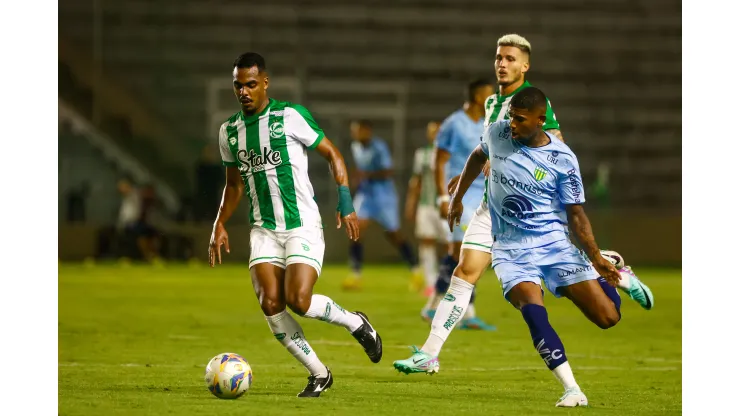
(581, 228)
(472, 169)
(345, 209)
(571, 194)
(414, 190)
(232, 194)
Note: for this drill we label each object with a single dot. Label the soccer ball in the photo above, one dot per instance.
(228, 376)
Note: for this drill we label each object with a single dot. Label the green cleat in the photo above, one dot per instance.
(638, 291)
(420, 362)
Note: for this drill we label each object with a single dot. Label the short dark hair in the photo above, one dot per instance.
(530, 98)
(474, 85)
(250, 59)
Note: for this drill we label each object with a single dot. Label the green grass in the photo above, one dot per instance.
(135, 341)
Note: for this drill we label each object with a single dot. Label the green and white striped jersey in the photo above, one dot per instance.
(497, 108)
(269, 149)
(424, 167)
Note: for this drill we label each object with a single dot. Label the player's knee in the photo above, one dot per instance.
(466, 272)
(608, 318)
(299, 302)
(271, 305)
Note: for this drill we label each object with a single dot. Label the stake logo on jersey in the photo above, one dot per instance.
(269, 149)
(255, 162)
(529, 192)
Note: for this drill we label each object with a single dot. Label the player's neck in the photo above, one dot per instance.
(540, 139)
(504, 90)
(474, 111)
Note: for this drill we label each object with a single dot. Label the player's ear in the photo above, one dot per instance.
(267, 82)
(541, 120)
(525, 66)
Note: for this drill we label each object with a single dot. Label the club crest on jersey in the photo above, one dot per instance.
(257, 162)
(276, 130)
(539, 174)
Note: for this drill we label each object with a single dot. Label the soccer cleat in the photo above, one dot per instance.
(638, 291)
(369, 339)
(352, 283)
(573, 397)
(614, 258)
(420, 362)
(316, 385)
(476, 323)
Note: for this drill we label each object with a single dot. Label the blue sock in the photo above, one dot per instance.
(355, 256)
(408, 254)
(545, 339)
(446, 267)
(612, 293)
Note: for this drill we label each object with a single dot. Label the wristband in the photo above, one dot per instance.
(344, 204)
(442, 199)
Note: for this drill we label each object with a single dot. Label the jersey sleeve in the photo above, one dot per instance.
(488, 106)
(551, 122)
(418, 161)
(300, 125)
(570, 183)
(484, 139)
(227, 158)
(385, 161)
(445, 136)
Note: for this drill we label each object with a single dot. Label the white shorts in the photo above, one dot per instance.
(282, 248)
(429, 225)
(478, 235)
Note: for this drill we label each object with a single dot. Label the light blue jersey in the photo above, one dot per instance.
(459, 135)
(528, 190)
(376, 199)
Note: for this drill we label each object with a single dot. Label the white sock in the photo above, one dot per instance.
(565, 376)
(325, 309)
(450, 310)
(470, 312)
(625, 280)
(428, 259)
(290, 334)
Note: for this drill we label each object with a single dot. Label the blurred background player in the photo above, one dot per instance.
(421, 208)
(459, 134)
(376, 200)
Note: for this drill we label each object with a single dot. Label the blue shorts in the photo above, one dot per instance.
(471, 202)
(383, 210)
(558, 264)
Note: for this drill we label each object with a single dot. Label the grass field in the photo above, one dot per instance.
(135, 341)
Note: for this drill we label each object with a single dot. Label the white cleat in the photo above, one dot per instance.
(573, 397)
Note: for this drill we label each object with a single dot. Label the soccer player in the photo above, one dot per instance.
(421, 208)
(512, 64)
(457, 137)
(264, 148)
(376, 200)
(535, 193)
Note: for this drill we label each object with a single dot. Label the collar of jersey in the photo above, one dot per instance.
(253, 117)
